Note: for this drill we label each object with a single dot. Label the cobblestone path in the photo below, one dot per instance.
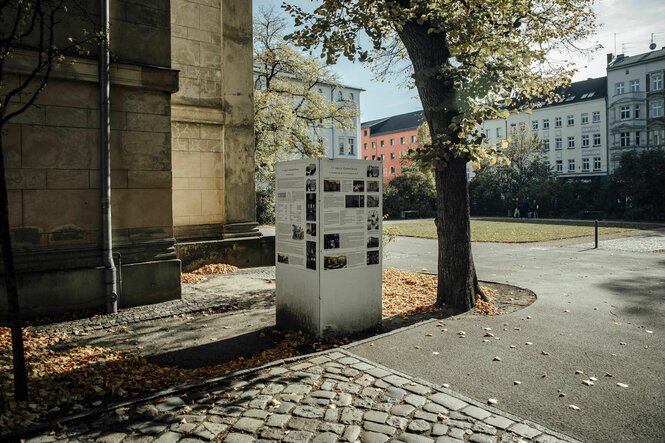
(334, 396)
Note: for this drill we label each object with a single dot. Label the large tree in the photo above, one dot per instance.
(35, 37)
(465, 57)
(290, 109)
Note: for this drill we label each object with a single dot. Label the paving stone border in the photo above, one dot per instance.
(327, 397)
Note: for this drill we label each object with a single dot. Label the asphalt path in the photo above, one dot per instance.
(601, 312)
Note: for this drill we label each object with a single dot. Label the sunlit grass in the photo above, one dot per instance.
(505, 232)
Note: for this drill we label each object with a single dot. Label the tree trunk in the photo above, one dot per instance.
(11, 284)
(458, 283)
(428, 52)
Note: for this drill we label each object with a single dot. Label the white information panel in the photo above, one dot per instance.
(328, 221)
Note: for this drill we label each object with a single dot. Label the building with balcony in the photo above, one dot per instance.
(635, 100)
(389, 139)
(572, 131)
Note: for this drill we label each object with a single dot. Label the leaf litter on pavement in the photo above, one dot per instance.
(65, 378)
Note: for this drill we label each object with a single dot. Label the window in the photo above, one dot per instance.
(365, 158)
(392, 156)
(585, 141)
(571, 142)
(635, 85)
(656, 81)
(392, 169)
(585, 118)
(637, 111)
(547, 164)
(413, 139)
(498, 132)
(559, 166)
(383, 156)
(382, 143)
(624, 112)
(365, 146)
(571, 120)
(487, 133)
(373, 145)
(374, 157)
(365, 132)
(557, 122)
(546, 144)
(596, 117)
(340, 96)
(596, 163)
(637, 138)
(402, 140)
(546, 123)
(596, 139)
(618, 88)
(656, 138)
(624, 139)
(656, 109)
(534, 125)
(352, 146)
(341, 147)
(351, 97)
(585, 163)
(558, 143)
(571, 165)
(392, 142)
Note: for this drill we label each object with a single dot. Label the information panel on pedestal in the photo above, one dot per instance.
(328, 215)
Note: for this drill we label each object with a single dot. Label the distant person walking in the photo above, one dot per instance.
(516, 214)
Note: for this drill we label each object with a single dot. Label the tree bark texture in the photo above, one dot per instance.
(11, 284)
(458, 282)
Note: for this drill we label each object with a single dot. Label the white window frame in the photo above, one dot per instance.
(596, 139)
(546, 144)
(619, 88)
(585, 163)
(656, 109)
(558, 122)
(571, 120)
(624, 139)
(546, 123)
(597, 166)
(635, 85)
(558, 143)
(559, 166)
(595, 117)
(585, 141)
(585, 118)
(571, 142)
(624, 112)
(571, 165)
(534, 125)
(656, 81)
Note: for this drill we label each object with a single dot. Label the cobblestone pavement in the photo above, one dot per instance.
(642, 243)
(333, 396)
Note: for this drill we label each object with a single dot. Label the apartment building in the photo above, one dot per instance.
(389, 139)
(572, 131)
(635, 103)
(340, 142)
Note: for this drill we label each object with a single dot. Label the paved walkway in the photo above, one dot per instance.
(330, 397)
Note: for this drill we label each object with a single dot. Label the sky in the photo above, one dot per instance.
(632, 21)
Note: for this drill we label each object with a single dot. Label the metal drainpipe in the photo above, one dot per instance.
(110, 278)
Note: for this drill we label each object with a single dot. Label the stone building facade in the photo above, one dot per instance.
(181, 156)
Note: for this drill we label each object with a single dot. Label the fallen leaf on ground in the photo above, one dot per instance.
(492, 401)
(622, 385)
(496, 359)
(587, 382)
(574, 408)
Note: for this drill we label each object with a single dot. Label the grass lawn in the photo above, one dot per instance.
(503, 232)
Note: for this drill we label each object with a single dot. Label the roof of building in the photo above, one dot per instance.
(396, 123)
(589, 89)
(621, 61)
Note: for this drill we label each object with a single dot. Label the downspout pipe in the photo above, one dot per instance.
(110, 277)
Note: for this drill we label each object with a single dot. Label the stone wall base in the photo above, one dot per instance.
(241, 252)
(72, 290)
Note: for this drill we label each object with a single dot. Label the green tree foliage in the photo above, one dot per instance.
(289, 109)
(465, 58)
(638, 186)
(524, 180)
(413, 190)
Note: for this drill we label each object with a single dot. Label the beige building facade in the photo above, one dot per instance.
(182, 157)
